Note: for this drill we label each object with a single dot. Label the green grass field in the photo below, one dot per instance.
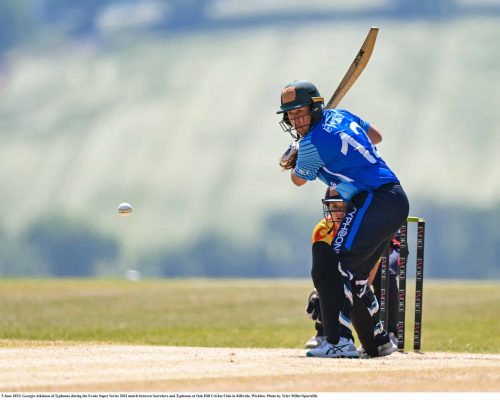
(458, 316)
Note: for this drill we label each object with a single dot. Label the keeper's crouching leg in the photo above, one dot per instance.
(334, 292)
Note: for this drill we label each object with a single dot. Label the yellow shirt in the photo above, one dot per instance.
(323, 231)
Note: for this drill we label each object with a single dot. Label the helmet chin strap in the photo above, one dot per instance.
(331, 229)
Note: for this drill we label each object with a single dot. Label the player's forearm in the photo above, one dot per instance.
(298, 181)
(374, 135)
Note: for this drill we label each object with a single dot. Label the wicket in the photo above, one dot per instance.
(419, 284)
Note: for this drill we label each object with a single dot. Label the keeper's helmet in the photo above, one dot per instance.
(298, 94)
(334, 206)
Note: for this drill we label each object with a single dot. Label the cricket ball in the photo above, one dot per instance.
(124, 209)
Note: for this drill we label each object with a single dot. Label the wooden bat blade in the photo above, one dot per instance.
(357, 66)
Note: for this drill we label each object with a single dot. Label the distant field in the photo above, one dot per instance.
(79, 141)
(458, 316)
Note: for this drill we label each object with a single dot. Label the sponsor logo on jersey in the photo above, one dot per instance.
(302, 171)
(332, 120)
(343, 231)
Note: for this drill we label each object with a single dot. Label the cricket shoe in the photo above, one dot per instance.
(394, 338)
(387, 348)
(362, 353)
(343, 349)
(383, 350)
(314, 342)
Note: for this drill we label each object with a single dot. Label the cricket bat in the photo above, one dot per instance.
(354, 71)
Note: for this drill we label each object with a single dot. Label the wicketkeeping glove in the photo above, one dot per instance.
(313, 308)
(289, 158)
(395, 244)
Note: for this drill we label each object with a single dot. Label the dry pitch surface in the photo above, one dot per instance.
(91, 367)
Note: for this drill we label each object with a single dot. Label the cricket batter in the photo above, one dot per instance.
(334, 146)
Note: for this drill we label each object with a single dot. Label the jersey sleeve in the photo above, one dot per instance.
(364, 125)
(308, 162)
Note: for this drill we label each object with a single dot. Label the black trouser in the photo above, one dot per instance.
(331, 287)
(323, 260)
(362, 321)
(371, 221)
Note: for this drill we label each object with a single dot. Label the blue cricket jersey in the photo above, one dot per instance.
(338, 151)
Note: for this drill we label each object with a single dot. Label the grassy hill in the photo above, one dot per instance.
(183, 127)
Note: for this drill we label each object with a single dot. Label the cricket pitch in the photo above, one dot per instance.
(61, 367)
